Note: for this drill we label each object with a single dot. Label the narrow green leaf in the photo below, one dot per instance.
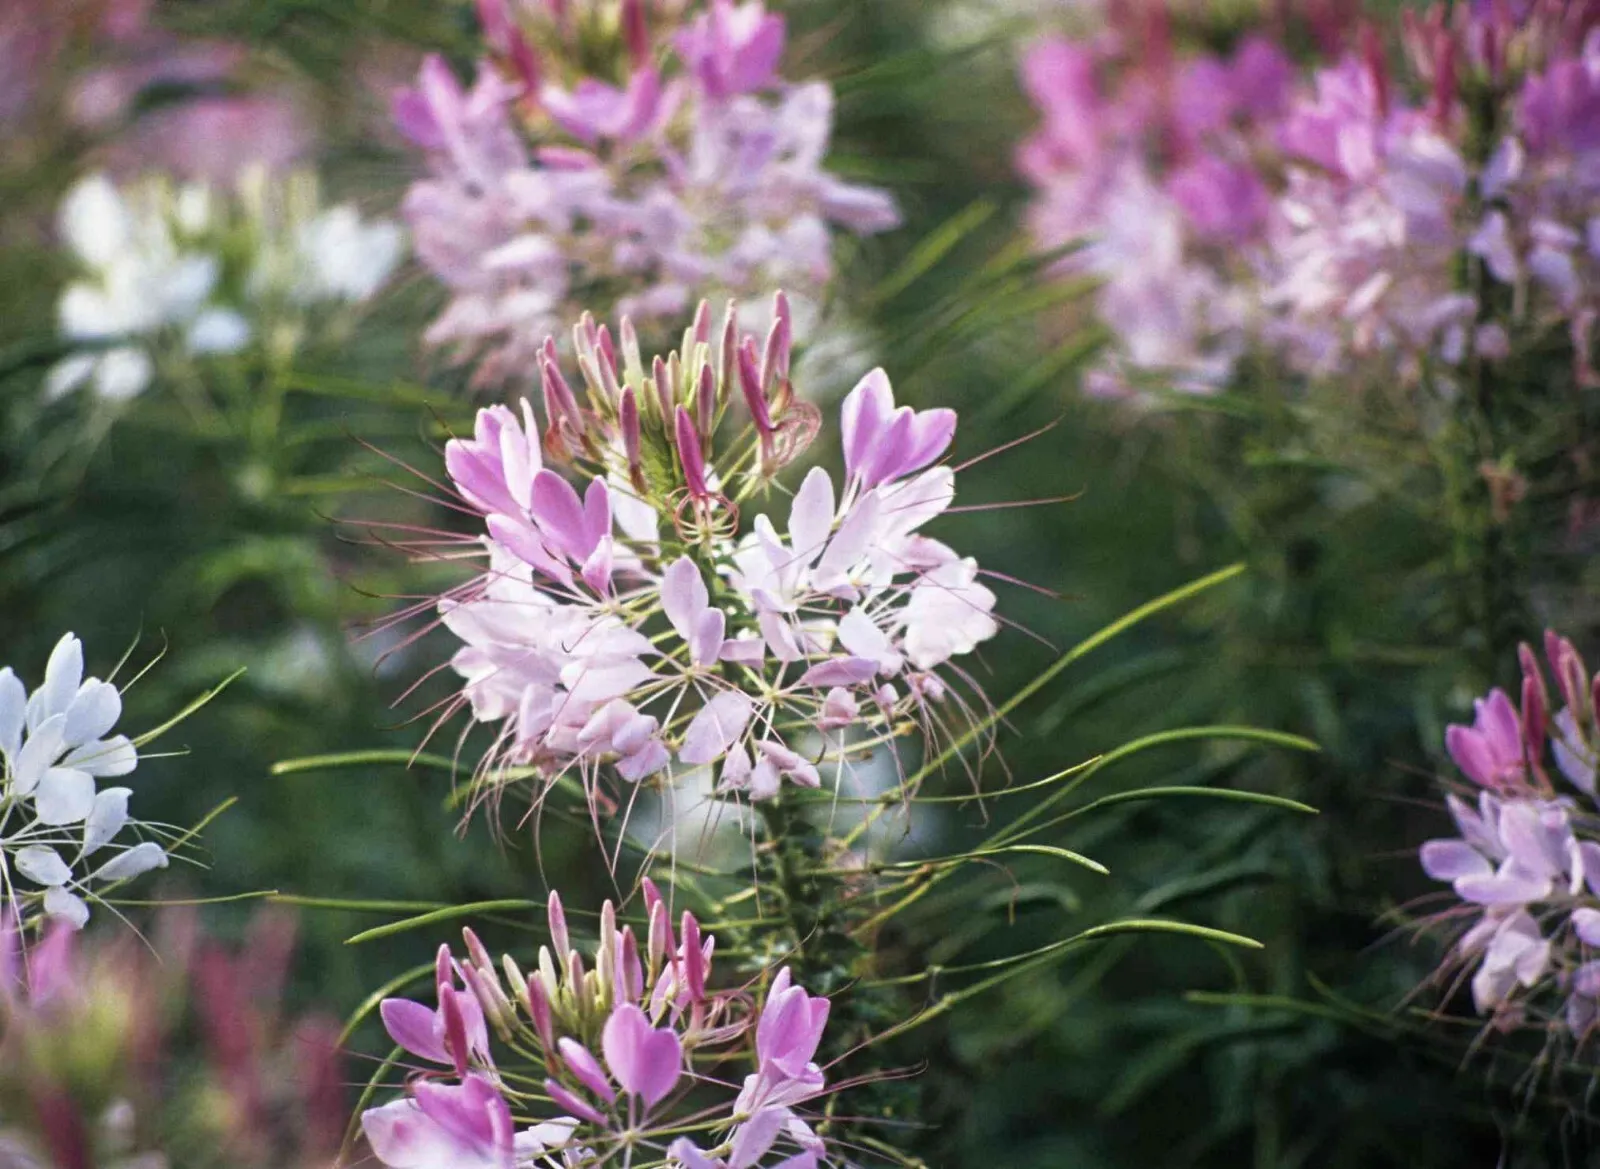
(188, 710)
(449, 913)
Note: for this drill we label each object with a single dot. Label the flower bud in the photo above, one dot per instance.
(630, 973)
(660, 940)
(1534, 720)
(694, 960)
(628, 420)
(455, 1027)
(705, 404)
(558, 924)
(632, 362)
(690, 456)
(728, 359)
(636, 33)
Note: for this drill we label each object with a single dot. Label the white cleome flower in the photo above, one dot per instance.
(58, 830)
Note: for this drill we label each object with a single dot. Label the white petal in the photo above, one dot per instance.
(68, 374)
(141, 858)
(105, 819)
(13, 712)
(108, 757)
(218, 330)
(67, 907)
(65, 796)
(811, 516)
(62, 677)
(38, 754)
(43, 866)
(92, 713)
(94, 221)
(123, 373)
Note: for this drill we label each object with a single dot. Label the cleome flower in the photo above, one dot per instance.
(177, 272)
(1526, 864)
(59, 831)
(601, 155)
(627, 621)
(626, 1047)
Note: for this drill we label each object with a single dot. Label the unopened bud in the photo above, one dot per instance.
(705, 404)
(558, 924)
(636, 33)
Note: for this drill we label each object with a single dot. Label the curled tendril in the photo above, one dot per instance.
(800, 426)
(702, 518)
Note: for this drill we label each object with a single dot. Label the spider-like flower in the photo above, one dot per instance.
(601, 156)
(175, 272)
(628, 618)
(619, 1042)
(1154, 162)
(1527, 862)
(1387, 203)
(58, 830)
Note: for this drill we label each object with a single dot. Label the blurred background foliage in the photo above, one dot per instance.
(1139, 1052)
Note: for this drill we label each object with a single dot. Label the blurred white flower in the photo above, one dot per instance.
(195, 271)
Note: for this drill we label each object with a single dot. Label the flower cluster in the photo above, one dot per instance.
(1386, 200)
(180, 272)
(147, 96)
(1440, 214)
(1527, 863)
(1156, 162)
(664, 1039)
(603, 155)
(626, 618)
(85, 1073)
(58, 833)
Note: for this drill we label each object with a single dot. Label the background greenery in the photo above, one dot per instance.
(1341, 629)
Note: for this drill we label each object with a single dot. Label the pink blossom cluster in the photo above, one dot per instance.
(1371, 218)
(625, 1047)
(1413, 228)
(1154, 160)
(610, 153)
(86, 1031)
(1526, 865)
(87, 66)
(628, 621)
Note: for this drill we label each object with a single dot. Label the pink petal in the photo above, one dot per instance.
(1448, 860)
(866, 410)
(415, 1028)
(559, 514)
(645, 1061)
(683, 595)
(716, 727)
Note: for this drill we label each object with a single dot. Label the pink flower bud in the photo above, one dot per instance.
(537, 1005)
(558, 925)
(455, 1027)
(775, 357)
(750, 384)
(630, 973)
(700, 330)
(728, 352)
(694, 960)
(705, 404)
(660, 941)
(628, 420)
(636, 32)
(690, 457)
(1535, 721)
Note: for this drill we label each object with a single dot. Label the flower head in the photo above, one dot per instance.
(602, 150)
(59, 830)
(1525, 863)
(619, 1038)
(634, 619)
